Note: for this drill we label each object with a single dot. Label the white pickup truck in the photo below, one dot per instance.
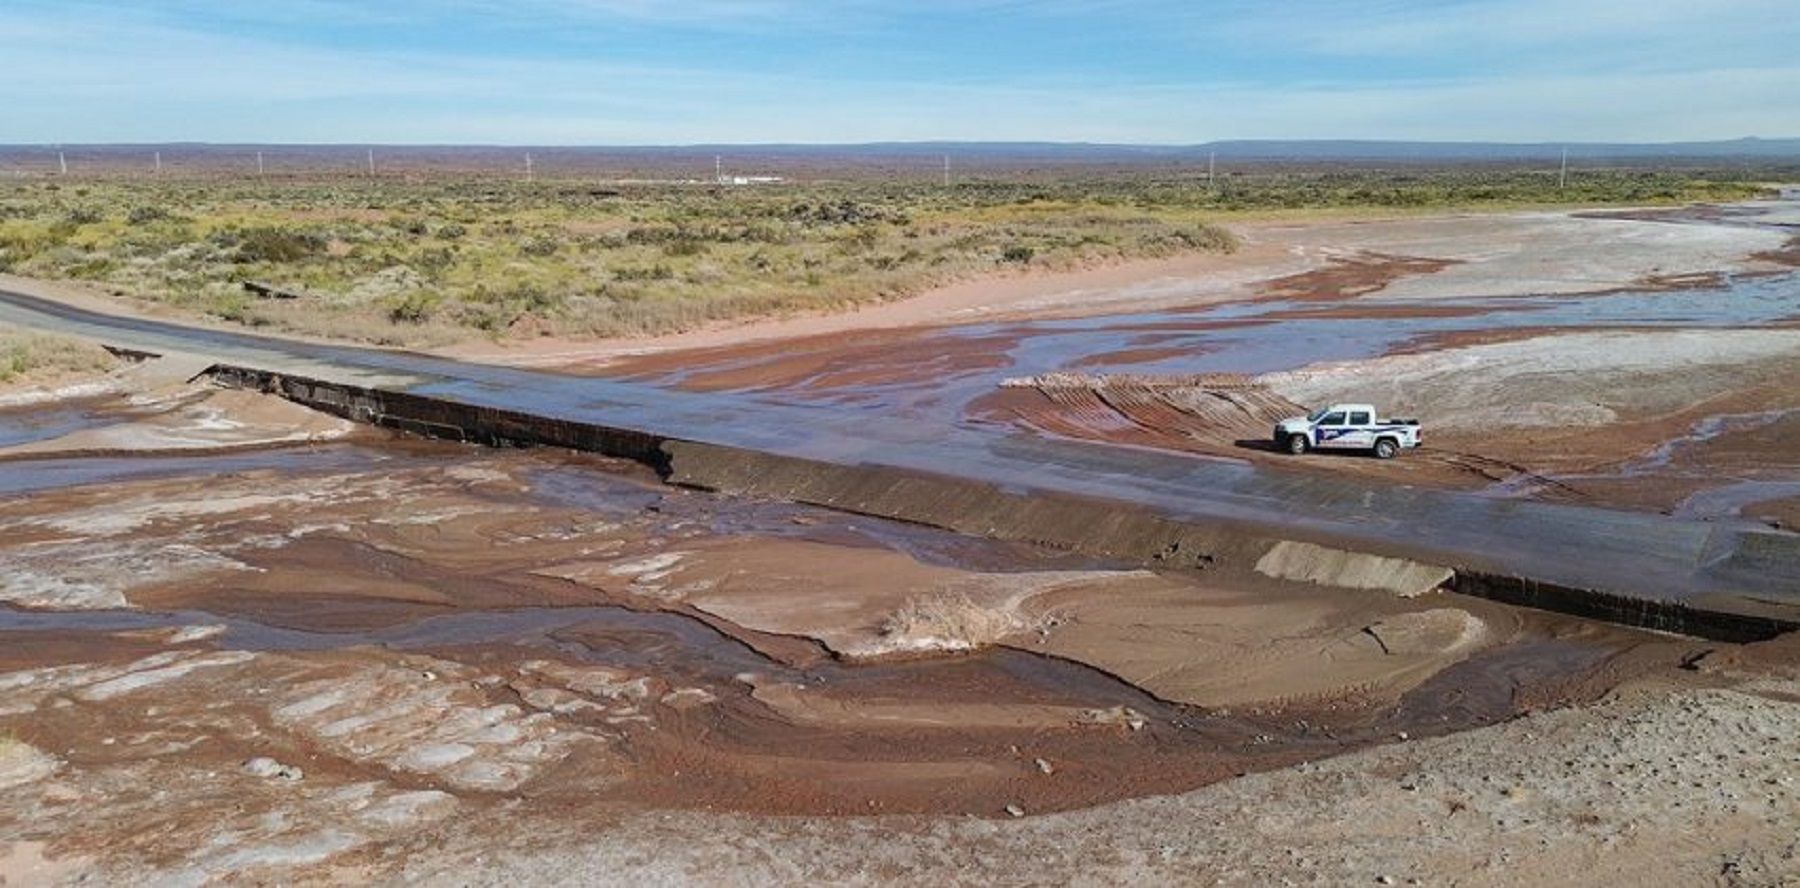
(1346, 427)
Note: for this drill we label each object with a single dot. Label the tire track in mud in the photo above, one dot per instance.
(1221, 414)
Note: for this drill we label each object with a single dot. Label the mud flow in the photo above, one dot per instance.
(1576, 397)
(564, 628)
(242, 640)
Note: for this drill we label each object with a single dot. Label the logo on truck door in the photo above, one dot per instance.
(1330, 419)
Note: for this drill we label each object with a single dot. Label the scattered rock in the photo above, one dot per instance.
(270, 769)
(1117, 715)
(1015, 811)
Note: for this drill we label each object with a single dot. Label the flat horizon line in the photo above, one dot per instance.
(905, 143)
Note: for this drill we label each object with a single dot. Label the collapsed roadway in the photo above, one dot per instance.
(1723, 581)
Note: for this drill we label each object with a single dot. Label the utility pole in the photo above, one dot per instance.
(1211, 160)
(62, 161)
(259, 165)
(159, 162)
(946, 171)
(371, 161)
(718, 169)
(527, 169)
(1562, 178)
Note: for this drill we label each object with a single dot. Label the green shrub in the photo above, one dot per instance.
(144, 215)
(277, 244)
(413, 307)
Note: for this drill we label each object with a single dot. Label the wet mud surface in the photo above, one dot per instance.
(388, 553)
(330, 657)
(1582, 434)
(320, 667)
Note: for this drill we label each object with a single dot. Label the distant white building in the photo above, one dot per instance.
(720, 177)
(1790, 192)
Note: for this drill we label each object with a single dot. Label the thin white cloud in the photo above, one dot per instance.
(103, 73)
(1578, 33)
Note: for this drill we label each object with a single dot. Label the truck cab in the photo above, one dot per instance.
(1347, 427)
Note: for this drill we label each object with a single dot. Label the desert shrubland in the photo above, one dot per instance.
(416, 260)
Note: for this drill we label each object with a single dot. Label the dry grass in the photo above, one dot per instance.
(400, 263)
(413, 261)
(28, 354)
(947, 621)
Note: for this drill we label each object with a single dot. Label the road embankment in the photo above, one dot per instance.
(1104, 528)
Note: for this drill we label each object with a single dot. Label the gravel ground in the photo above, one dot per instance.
(1698, 786)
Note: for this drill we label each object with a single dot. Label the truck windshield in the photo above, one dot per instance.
(1317, 415)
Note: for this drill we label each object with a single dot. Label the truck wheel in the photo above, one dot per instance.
(1385, 448)
(1296, 444)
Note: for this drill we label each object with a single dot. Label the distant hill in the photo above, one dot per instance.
(703, 162)
(1380, 150)
(1256, 149)
(1306, 149)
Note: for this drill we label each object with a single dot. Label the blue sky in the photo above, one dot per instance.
(635, 72)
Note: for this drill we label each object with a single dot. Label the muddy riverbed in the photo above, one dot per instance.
(1607, 361)
(322, 656)
(243, 642)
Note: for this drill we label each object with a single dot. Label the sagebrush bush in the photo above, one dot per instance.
(277, 244)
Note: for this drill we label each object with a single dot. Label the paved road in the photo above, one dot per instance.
(1736, 568)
